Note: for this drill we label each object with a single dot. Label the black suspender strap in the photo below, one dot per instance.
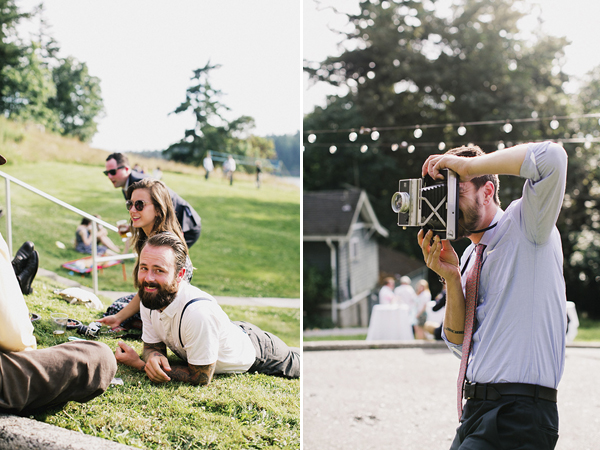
(183, 310)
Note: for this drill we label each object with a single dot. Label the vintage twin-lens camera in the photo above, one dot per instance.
(429, 204)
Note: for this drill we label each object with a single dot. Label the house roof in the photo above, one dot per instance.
(331, 214)
(392, 262)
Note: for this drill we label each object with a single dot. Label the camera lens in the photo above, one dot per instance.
(401, 202)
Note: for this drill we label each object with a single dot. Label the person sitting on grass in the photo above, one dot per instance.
(34, 379)
(192, 324)
(83, 239)
(151, 211)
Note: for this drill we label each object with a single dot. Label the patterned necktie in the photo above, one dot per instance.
(471, 289)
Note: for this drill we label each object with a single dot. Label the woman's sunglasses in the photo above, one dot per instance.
(139, 204)
(113, 172)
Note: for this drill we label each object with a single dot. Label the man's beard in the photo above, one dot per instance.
(469, 220)
(160, 299)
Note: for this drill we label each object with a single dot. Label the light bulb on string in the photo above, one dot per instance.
(375, 135)
(501, 145)
(507, 127)
(554, 124)
(312, 138)
(395, 147)
(364, 148)
(441, 146)
(353, 136)
(418, 132)
(332, 149)
(462, 130)
(411, 148)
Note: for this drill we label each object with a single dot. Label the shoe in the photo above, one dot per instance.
(20, 260)
(26, 277)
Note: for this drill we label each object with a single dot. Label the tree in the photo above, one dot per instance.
(287, 147)
(212, 131)
(78, 99)
(12, 50)
(410, 68)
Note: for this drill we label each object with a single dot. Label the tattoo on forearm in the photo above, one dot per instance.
(193, 374)
(158, 349)
(453, 331)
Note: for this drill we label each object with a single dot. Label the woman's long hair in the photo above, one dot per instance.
(165, 212)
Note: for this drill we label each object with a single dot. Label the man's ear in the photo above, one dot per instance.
(488, 191)
(180, 275)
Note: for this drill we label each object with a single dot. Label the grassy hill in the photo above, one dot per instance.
(250, 242)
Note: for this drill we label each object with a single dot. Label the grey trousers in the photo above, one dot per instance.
(274, 357)
(38, 379)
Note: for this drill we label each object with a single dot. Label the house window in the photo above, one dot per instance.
(354, 247)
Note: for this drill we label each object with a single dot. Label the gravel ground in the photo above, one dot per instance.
(406, 399)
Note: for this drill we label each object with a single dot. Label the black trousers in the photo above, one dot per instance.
(513, 422)
(274, 357)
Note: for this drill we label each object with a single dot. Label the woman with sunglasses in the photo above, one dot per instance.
(151, 212)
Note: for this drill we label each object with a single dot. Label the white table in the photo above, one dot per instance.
(390, 323)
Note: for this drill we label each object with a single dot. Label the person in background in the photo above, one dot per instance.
(386, 293)
(157, 173)
(34, 379)
(151, 211)
(208, 165)
(121, 176)
(423, 298)
(193, 325)
(405, 294)
(258, 173)
(229, 168)
(83, 239)
(435, 328)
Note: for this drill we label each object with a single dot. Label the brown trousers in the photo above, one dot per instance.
(74, 371)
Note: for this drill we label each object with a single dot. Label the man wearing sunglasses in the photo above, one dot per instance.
(121, 175)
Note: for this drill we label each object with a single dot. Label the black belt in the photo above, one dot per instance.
(478, 391)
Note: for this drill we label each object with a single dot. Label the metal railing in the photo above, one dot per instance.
(95, 221)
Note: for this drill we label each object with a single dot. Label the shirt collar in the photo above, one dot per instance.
(489, 234)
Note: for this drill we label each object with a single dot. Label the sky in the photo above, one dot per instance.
(144, 53)
(577, 20)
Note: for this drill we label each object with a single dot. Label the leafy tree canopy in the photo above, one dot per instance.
(38, 86)
(213, 132)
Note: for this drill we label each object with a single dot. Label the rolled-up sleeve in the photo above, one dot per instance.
(545, 167)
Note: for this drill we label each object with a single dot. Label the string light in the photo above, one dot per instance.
(461, 129)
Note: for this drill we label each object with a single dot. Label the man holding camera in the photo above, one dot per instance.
(506, 304)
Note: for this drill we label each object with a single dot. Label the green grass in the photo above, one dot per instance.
(246, 411)
(250, 242)
(589, 330)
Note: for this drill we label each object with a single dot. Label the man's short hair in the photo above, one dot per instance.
(166, 239)
(470, 151)
(119, 158)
